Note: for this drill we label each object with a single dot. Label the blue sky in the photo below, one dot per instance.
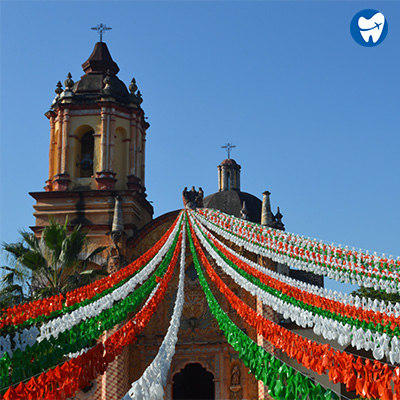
(314, 116)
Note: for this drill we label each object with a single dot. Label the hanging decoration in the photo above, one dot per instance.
(37, 311)
(89, 362)
(282, 381)
(150, 385)
(335, 262)
(50, 349)
(372, 380)
(305, 309)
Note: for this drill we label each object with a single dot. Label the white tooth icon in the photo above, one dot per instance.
(371, 27)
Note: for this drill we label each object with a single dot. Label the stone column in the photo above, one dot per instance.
(133, 179)
(138, 148)
(49, 185)
(225, 184)
(65, 147)
(132, 145)
(61, 179)
(59, 141)
(111, 136)
(105, 178)
(103, 156)
(142, 170)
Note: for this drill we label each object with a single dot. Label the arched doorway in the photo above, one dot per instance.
(193, 382)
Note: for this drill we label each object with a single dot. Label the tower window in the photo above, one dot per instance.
(87, 155)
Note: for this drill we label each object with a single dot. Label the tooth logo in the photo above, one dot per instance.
(369, 28)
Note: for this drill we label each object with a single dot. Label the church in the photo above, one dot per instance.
(97, 179)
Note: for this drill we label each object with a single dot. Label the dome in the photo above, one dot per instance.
(229, 161)
(231, 202)
(100, 79)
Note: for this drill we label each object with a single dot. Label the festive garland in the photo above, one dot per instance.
(37, 311)
(59, 325)
(301, 307)
(282, 381)
(48, 352)
(340, 264)
(369, 379)
(150, 384)
(96, 359)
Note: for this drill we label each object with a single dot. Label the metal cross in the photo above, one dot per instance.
(228, 147)
(101, 28)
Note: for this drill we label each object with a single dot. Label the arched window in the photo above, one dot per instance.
(228, 180)
(87, 155)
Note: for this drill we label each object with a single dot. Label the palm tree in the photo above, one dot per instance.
(59, 261)
(12, 290)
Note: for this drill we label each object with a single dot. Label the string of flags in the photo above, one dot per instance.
(52, 348)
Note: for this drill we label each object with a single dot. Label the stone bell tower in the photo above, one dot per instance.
(97, 154)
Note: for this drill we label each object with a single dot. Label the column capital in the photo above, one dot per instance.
(61, 182)
(105, 180)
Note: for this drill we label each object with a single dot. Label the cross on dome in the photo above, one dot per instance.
(228, 147)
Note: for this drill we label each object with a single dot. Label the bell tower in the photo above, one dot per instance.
(97, 152)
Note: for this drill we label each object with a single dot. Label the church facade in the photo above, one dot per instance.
(97, 179)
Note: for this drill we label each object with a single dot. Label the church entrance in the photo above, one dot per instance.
(193, 382)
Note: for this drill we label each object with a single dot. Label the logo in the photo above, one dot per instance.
(369, 28)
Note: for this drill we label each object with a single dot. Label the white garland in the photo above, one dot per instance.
(344, 298)
(58, 325)
(343, 334)
(150, 385)
(352, 274)
(21, 339)
(67, 321)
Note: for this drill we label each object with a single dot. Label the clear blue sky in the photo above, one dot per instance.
(315, 116)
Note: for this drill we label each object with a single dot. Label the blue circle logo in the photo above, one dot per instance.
(369, 28)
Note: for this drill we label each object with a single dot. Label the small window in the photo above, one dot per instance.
(87, 155)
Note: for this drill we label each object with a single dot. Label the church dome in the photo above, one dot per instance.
(99, 82)
(231, 202)
(100, 69)
(229, 161)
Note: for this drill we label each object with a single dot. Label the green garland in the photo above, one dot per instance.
(298, 303)
(282, 381)
(48, 353)
(340, 253)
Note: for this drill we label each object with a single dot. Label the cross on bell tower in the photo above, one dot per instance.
(100, 29)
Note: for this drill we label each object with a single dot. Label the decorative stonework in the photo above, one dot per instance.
(49, 185)
(134, 183)
(193, 199)
(105, 180)
(61, 182)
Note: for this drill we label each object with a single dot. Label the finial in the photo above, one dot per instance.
(118, 223)
(244, 212)
(59, 88)
(69, 83)
(139, 97)
(100, 29)
(107, 79)
(279, 224)
(107, 82)
(133, 87)
(228, 147)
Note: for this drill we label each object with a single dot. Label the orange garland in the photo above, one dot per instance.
(312, 299)
(64, 381)
(18, 314)
(369, 380)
